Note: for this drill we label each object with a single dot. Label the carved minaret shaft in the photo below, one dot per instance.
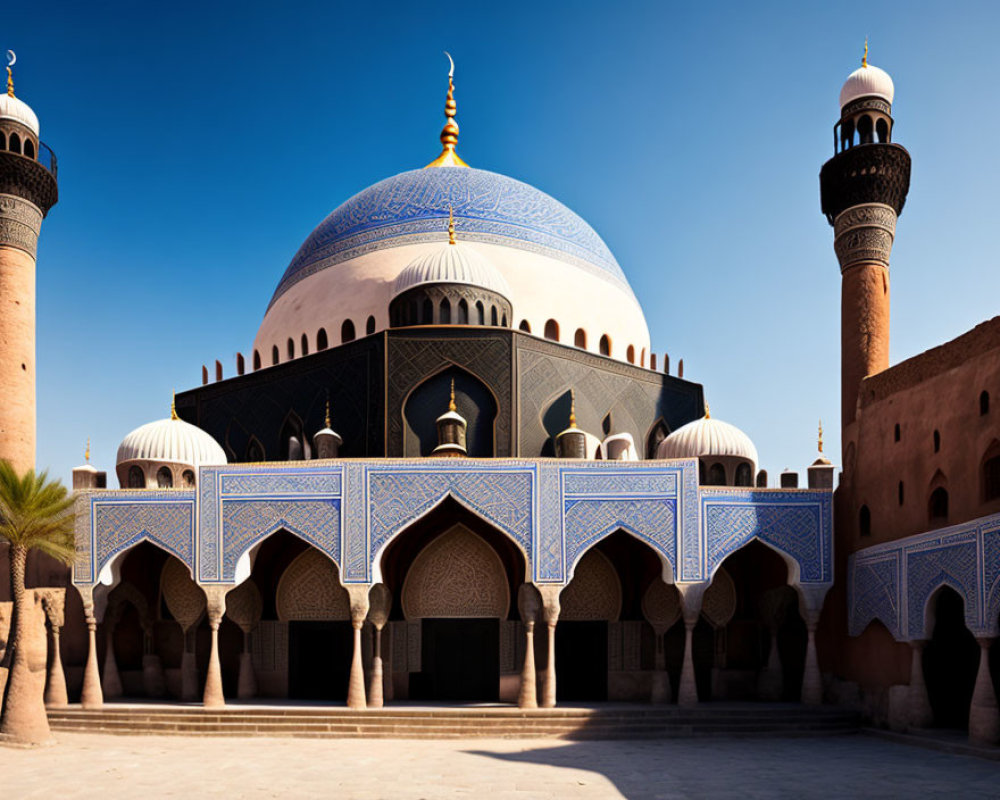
(28, 190)
(863, 190)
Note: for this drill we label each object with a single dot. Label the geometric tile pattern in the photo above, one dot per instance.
(894, 582)
(554, 510)
(120, 520)
(797, 527)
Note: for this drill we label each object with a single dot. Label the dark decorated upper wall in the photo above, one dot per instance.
(386, 391)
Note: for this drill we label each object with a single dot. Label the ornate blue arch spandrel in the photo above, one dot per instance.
(602, 498)
(875, 592)
(239, 506)
(121, 520)
(799, 524)
(399, 494)
(991, 575)
(950, 561)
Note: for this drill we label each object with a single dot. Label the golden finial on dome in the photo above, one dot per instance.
(449, 133)
(11, 60)
(451, 403)
(708, 413)
(572, 408)
(326, 419)
(86, 453)
(451, 225)
(864, 58)
(821, 436)
(173, 406)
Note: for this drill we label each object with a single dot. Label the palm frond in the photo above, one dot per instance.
(35, 513)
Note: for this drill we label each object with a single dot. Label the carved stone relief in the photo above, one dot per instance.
(310, 589)
(661, 605)
(183, 596)
(244, 605)
(719, 602)
(456, 575)
(595, 593)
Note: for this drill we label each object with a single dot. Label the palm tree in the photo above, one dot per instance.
(34, 515)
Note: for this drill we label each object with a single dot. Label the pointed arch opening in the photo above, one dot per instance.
(453, 577)
(951, 659)
(429, 399)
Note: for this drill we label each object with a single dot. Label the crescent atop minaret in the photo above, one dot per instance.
(12, 58)
(451, 72)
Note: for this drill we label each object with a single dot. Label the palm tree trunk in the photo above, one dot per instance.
(24, 719)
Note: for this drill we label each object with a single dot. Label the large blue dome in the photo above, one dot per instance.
(413, 206)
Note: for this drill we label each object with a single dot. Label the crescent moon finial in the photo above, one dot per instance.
(451, 72)
(11, 58)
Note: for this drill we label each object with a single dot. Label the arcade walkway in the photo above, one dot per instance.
(152, 767)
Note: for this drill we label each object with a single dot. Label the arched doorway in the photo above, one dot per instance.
(303, 642)
(311, 600)
(605, 648)
(951, 660)
(765, 623)
(454, 631)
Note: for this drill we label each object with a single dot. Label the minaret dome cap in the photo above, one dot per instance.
(867, 81)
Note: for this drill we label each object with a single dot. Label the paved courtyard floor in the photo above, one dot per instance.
(98, 765)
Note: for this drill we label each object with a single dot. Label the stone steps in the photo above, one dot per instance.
(437, 723)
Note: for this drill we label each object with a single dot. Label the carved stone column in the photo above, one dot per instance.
(380, 602)
(529, 602)
(691, 595)
(189, 668)
(244, 606)
(186, 602)
(812, 681)
(662, 608)
(984, 718)
(773, 607)
(54, 604)
(90, 696)
(550, 613)
(359, 611)
(154, 681)
(111, 682)
(918, 710)
(213, 696)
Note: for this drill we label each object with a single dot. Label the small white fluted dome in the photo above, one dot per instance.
(867, 81)
(19, 111)
(452, 263)
(171, 441)
(707, 437)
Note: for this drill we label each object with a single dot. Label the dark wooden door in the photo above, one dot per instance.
(582, 661)
(319, 660)
(460, 661)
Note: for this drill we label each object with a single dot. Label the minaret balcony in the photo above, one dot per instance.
(867, 173)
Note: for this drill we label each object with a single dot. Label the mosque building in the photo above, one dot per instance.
(452, 469)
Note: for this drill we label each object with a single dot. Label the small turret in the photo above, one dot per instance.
(820, 472)
(451, 430)
(572, 442)
(326, 440)
(86, 476)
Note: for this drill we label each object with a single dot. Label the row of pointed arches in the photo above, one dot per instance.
(450, 622)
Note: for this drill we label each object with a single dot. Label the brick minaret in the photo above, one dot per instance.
(863, 190)
(27, 191)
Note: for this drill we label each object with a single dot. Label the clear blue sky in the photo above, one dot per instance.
(200, 143)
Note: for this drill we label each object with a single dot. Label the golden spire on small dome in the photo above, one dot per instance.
(11, 60)
(451, 403)
(86, 453)
(708, 413)
(820, 443)
(572, 408)
(449, 133)
(451, 225)
(864, 58)
(173, 406)
(326, 419)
